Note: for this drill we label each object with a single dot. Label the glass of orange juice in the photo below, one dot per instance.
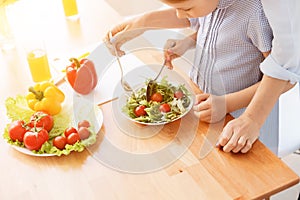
(70, 9)
(38, 65)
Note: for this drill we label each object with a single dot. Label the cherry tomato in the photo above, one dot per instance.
(60, 142)
(70, 130)
(165, 108)
(140, 110)
(178, 94)
(41, 119)
(16, 130)
(33, 140)
(73, 138)
(157, 97)
(84, 133)
(84, 123)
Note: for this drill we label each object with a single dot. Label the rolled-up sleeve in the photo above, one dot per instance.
(284, 60)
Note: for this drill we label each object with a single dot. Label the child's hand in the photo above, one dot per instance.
(176, 48)
(121, 34)
(210, 108)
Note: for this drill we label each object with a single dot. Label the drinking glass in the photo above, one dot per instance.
(38, 61)
(70, 9)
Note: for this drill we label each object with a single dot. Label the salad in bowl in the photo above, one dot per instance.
(161, 103)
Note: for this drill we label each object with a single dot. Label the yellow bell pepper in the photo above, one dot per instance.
(45, 96)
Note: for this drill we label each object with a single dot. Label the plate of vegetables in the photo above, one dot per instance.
(167, 102)
(38, 133)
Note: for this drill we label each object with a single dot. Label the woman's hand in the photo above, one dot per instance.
(239, 135)
(210, 108)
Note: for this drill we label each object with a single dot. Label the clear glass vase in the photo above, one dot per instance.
(7, 41)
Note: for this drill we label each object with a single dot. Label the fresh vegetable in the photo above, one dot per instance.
(140, 111)
(73, 138)
(69, 131)
(82, 75)
(45, 96)
(60, 142)
(157, 97)
(35, 138)
(17, 109)
(41, 119)
(167, 103)
(178, 94)
(165, 108)
(16, 130)
(83, 133)
(84, 123)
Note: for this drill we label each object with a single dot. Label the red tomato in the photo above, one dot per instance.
(60, 142)
(157, 97)
(84, 133)
(43, 135)
(70, 130)
(73, 138)
(71, 74)
(33, 140)
(165, 108)
(16, 130)
(41, 119)
(140, 111)
(84, 123)
(178, 94)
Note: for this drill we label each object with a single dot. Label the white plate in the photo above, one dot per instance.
(96, 121)
(123, 99)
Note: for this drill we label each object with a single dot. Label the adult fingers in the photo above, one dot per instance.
(225, 136)
(241, 144)
(248, 145)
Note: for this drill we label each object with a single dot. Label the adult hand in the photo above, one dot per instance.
(210, 108)
(239, 135)
(120, 34)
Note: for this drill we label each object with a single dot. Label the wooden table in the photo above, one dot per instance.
(255, 175)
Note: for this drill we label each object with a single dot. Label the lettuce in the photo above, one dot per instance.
(17, 109)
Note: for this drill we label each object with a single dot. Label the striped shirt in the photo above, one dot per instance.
(230, 42)
(229, 45)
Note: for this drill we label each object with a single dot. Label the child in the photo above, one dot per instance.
(232, 38)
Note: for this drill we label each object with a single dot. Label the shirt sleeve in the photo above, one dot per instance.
(284, 60)
(259, 30)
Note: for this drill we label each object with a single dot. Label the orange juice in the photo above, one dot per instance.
(70, 7)
(39, 66)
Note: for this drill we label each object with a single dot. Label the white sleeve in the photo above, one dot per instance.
(284, 60)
